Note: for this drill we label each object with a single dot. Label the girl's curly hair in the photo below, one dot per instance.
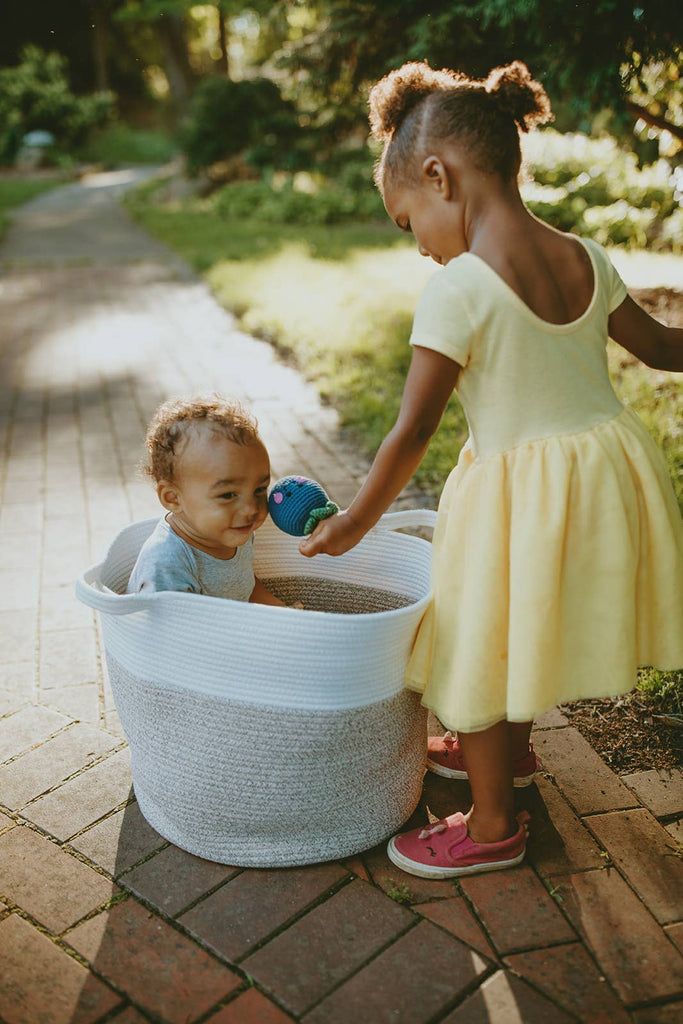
(175, 420)
(414, 106)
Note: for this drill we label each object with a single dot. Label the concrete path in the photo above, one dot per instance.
(100, 918)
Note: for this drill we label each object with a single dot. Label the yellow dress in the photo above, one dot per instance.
(558, 553)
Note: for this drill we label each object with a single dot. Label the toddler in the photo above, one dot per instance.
(558, 551)
(212, 473)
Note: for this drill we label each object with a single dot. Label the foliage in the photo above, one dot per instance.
(595, 188)
(227, 118)
(665, 689)
(36, 95)
(587, 55)
(121, 144)
(327, 204)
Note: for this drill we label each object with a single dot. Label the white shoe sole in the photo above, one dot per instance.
(519, 782)
(425, 871)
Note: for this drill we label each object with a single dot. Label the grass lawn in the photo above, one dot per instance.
(15, 191)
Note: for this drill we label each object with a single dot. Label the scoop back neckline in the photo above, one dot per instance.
(547, 325)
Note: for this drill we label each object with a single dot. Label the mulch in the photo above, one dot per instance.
(630, 733)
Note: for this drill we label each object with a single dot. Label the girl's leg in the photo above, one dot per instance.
(520, 732)
(488, 756)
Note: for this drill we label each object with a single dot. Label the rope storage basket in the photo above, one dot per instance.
(263, 736)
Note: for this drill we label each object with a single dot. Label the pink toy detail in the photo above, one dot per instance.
(278, 497)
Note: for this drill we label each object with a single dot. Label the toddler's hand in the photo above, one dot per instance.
(332, 536)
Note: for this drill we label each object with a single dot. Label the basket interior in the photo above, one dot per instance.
(320, 594)
(384, 572)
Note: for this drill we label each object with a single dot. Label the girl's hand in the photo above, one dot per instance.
(333, 536)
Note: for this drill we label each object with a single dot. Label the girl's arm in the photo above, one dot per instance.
(431, 379)
(653, 343)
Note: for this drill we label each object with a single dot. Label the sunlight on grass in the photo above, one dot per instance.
(347, 323)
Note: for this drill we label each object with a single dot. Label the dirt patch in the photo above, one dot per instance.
(630, 733)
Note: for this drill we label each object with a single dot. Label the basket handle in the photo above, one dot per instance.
(89, 593)
(407, 518)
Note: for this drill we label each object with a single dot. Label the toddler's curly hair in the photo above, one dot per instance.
(175, 420)
(415, 106)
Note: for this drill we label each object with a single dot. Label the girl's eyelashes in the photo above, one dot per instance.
(228, 496)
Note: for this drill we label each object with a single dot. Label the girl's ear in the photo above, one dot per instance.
(168, 495)
(436, 174)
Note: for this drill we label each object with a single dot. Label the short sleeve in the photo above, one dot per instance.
(164, 563)
(442, 319)
(154, 578)
(614, 288)
(617, 290)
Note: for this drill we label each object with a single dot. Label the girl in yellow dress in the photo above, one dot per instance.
(558, 551)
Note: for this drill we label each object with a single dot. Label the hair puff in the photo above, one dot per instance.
(519, 95)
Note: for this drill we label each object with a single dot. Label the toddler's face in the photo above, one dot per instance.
(220, 493)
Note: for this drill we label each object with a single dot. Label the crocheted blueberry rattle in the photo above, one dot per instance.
(297, 504)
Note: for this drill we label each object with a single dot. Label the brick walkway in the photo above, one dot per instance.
(100, 918)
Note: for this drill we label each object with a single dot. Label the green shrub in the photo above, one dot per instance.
(120, 144)
(595, 188)
(670, 237)
(328, 204)
(618, 224)
(227, 118)
(36, 95)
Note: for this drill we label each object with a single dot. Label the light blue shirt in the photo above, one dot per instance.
(167, 562)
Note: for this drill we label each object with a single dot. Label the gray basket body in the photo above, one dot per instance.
(262, 736)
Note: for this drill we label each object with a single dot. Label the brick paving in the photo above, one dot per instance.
(101, 919)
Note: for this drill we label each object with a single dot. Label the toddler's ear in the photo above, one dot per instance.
(168, 495)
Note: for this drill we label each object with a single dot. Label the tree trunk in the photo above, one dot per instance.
(223, 61)
(99, 44)
(181, 78)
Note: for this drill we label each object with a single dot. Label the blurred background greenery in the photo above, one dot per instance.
(259, 113)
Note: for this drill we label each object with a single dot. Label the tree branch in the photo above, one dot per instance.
(654, 119)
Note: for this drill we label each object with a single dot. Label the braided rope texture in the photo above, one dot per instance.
(259, 786)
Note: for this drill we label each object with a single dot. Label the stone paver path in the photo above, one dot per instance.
(100, 918)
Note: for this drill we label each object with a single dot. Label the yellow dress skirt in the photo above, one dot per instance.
(557, 571)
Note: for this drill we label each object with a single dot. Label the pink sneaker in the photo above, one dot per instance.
(445, 850)
(445, 758)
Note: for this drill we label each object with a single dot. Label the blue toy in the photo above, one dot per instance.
(297, 504)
